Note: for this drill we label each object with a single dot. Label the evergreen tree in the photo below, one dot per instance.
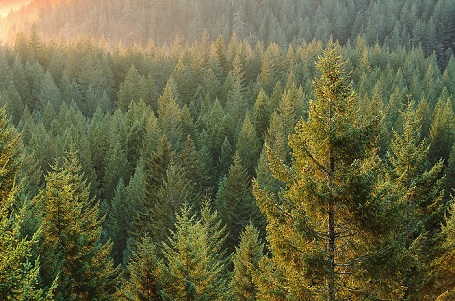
(117, 168)
(248, 146)
(442, 131)
(420, 199)
(18, 275)
(131, 90)
(324, 225)
(11, 155)
(155, 170)
(157, 219)
(145, 272)
(192, 269)
(70, 245)
(117, 221)
(246, 264)
(442, 275)
(261, 115)
(194, 170)
(237, 201)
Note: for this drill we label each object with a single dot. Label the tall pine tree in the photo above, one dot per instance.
(322, 227)
(70, 245)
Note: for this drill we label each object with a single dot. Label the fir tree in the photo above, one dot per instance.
(442, 275)
(248, 146)
(420, 199)
(11, 155)
(246, 264)
(237, 201)
(18, 274)
(324, 224)
(192, 267)
(70, 245)
(145, 272)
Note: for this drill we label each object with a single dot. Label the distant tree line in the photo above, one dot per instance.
(392, 24)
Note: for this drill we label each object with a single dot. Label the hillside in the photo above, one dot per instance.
(407, 23)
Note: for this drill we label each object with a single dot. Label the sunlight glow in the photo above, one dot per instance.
(7, 5)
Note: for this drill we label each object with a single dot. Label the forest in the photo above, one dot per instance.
(227, 150)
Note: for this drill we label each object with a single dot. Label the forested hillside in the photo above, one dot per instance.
(285, 159)
(393, 24)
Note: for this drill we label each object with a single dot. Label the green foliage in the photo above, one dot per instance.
(70, 245)
(331, 189)
(18, 275)
(145, 272)
(442, 286)
(248, 146)
(193, 270)
(420, 201)
(236, 201)
(18, 272)
(246, 264)
(243, 97)
(11, 155)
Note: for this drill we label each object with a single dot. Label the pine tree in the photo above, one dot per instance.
(261, 114)
(117, 167)
(18, 275)
(194, 170)
(145, 272)
(11, 155)
(192, 269)
(70, 245)
(420, 199)
(131, 90)
(322, 227)
(117, 221)
(442, 131)
(248, 146)
(237, 201)
(156, 218)
(246, 264)
(442, 275)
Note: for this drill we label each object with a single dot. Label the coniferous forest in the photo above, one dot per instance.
(227, 150)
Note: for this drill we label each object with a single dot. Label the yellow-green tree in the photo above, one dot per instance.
(324, 226)
(18, 274)
(420, 202)
(442, 281)
(70, 246)
(193, 265)
(246, 264)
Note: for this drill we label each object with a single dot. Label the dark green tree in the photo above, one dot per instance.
(236, 200)
(248, 146)
(194, 170)
(442, 131)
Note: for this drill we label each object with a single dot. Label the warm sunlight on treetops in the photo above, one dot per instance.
(227, 150)
(7, 5)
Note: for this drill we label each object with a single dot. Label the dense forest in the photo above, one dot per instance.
(228, 150)
(393, 24)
